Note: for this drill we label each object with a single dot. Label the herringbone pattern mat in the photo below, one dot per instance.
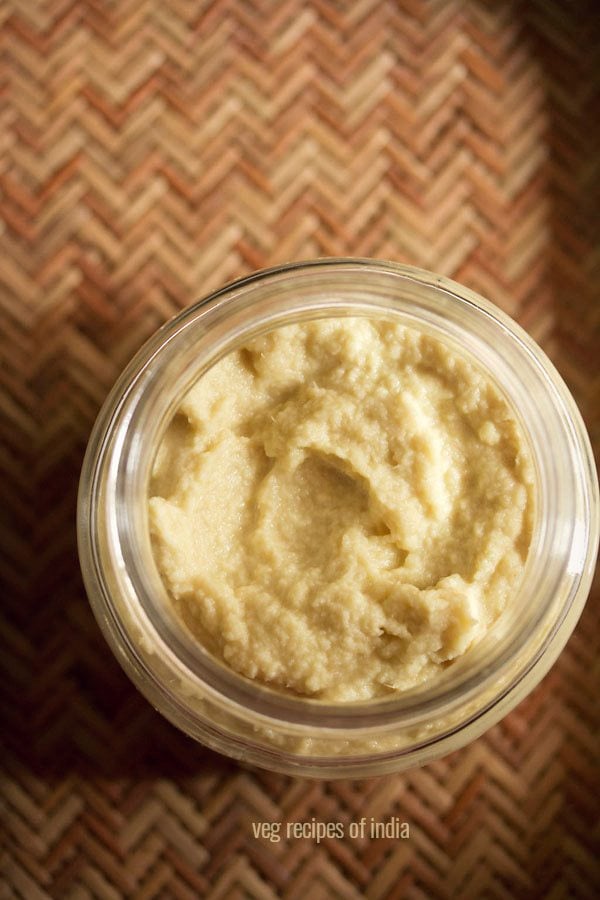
(150, 151)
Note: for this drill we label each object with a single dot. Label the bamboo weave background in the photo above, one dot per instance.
(149, 152)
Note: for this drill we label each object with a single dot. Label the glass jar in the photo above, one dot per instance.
(301, 736)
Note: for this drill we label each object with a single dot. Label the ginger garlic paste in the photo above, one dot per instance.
(341, 508)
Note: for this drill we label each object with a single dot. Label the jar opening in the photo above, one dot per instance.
(113, 528)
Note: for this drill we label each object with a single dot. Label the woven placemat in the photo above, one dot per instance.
(150, 151)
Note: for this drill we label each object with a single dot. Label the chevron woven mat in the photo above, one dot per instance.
(151, 151)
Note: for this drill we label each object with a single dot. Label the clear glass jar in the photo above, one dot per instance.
(244, 719)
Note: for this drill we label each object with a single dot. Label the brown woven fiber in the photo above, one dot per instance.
(150, 151)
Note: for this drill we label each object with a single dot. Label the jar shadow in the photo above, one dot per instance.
(67, 706)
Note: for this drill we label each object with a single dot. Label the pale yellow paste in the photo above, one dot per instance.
(341, 508)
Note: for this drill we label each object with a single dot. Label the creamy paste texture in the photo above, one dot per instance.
(341, 508)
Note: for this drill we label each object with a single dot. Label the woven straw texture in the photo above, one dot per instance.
(150, 151)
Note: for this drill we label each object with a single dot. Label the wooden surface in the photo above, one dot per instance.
(150, 151)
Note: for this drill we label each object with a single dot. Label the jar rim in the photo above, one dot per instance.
(113, 453)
